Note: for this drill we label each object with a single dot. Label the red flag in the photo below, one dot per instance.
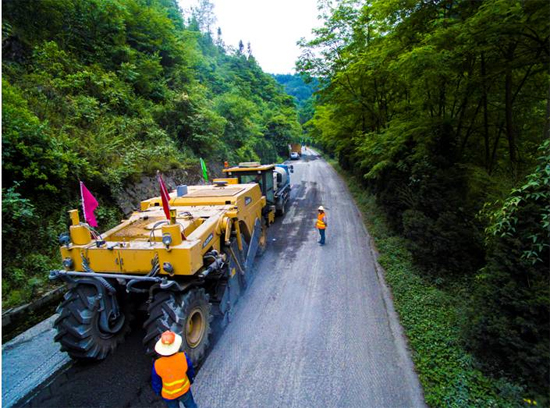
(89, 204)
(165, 196)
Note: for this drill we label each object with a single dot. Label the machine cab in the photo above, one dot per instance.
(254, 172)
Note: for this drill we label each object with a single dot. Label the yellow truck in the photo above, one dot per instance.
(181, 271)
(295, 150)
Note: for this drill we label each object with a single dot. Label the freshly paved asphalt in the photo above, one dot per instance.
(316, 328)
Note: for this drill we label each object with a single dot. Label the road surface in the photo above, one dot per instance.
(316, 328)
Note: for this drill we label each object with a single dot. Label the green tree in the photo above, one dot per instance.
(439, 107)
(511, 307)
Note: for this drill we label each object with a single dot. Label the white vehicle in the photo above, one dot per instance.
(294, 156)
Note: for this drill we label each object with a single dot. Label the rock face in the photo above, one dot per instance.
(128, 199)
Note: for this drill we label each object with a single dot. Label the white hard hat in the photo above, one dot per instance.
(321, 208)
(168, 344)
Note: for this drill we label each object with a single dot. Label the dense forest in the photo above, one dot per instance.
(442, 109)
(106, 91)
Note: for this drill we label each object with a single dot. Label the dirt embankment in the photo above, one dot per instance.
(129, 198)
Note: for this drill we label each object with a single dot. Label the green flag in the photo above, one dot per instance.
(204, 170)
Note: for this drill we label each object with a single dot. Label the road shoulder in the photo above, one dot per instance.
(29, 360)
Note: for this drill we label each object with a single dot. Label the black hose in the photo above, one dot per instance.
(106, 284)
(100, 279)
(130, 288)
(152, 233)
(155, 268)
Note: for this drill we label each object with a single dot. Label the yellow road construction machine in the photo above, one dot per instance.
(181, 271)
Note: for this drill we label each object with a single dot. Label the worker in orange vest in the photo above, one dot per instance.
(321, 224)
(173, 372)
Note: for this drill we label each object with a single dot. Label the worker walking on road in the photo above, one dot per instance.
(173, 372)
(321, 224)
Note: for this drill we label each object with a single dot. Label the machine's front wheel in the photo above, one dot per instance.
(188, 315)
(79, 330)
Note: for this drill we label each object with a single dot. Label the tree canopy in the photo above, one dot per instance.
(440, 108)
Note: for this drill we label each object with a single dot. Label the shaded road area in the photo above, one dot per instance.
(316, 328)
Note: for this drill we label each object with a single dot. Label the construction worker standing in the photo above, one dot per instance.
(173, 372)
(321, 224)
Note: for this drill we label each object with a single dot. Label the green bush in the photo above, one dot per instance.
(508, 322)
(431, 319)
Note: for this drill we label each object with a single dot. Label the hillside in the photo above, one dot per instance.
(108, 92)
(302, 92)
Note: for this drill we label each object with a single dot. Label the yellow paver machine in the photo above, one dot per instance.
(181, 271)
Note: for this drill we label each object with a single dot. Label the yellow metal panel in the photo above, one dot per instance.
(227, 180)
(185, 261)
(200, 196)
(136, 260)
(175, 233)
(237, 169)
(99, 259)
(80, 235)
(216, 192)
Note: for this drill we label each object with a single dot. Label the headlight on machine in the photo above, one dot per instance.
(65, 239)
(168, 268)
(166, 239)
(68, 263)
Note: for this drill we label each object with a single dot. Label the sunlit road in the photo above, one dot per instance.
(316, 327)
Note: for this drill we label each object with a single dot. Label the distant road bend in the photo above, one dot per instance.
(316, 327)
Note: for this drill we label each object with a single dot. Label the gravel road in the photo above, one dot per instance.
(316, 328)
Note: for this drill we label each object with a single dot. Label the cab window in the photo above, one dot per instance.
(269, 195)
(251, 178)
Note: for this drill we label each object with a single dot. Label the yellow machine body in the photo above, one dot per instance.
(227, 180)
(246, 167)
(204, 218)
(262, 174)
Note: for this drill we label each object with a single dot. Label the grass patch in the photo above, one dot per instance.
(430, 318)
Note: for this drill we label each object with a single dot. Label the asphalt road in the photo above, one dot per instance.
(316, 328)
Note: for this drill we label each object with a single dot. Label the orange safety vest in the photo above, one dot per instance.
(173, 371)
(320, 223)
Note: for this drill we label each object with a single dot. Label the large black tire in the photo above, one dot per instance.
(188, 315)
(78, 329)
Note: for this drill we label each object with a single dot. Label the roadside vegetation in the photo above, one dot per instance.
(440, 111)
(432, 318)
(106, 92)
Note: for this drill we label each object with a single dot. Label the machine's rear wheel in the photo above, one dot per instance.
(188, 315)
(281, 210)
(78, 328)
